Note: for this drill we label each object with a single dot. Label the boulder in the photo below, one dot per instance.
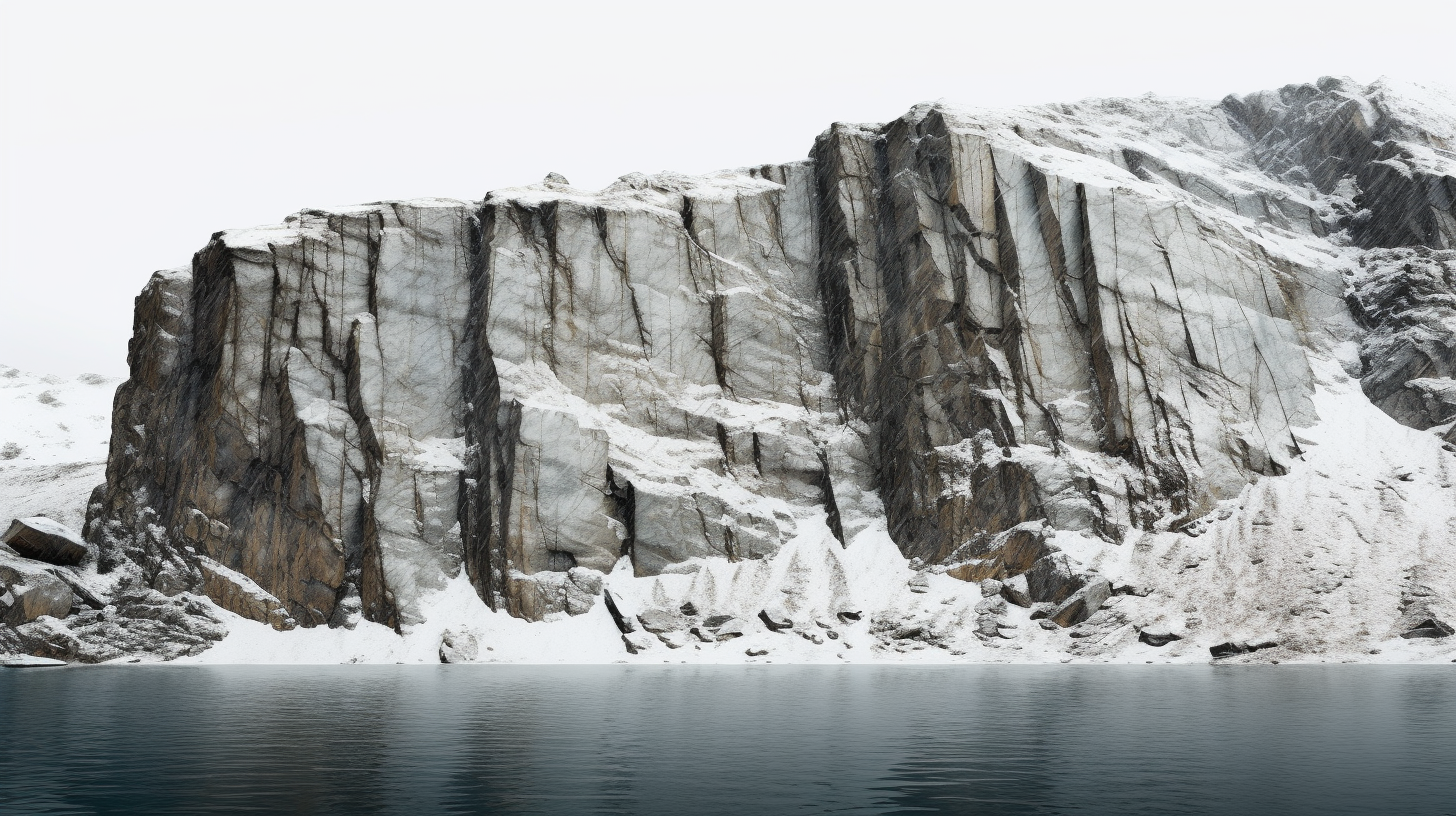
(731, 628)
(1083, 602)
(349, 611)
(1052, 579)
(28, 590)
(239, 594)
(775, 623)
(909, 631)
(658, 621)
(993, 605)
(1428, 628)
(1228, 649)
(84, 593)
(1157, 637)
(637, 642)
(1015, 591)
(1238, 647)
(458, 647)
(573, 591)
(703, 634)
(45, 540)
(625, 623)
(139, 621)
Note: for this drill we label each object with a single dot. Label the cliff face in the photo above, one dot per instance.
(1012, 342)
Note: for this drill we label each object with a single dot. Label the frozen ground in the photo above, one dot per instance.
(53, 436)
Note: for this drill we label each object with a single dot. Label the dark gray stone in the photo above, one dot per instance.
(45, 540)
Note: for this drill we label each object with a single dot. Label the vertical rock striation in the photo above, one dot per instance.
(982, 331)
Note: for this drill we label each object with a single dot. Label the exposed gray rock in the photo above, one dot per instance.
(84, 594)
(731, 628)
(775, 623)
(986, 626)
(625, 623)
(239, 594)
(1424, 611)
(1333, 132)
(659, 621)
(980, 331)
(28, 590)
(1083, 603)
(1239, 647)
(703, 634)
(907, 631)
(637, 642)
(42, 539)
(1017, 591)
(1428, 628)
(993, 605)
(349, 610)
(1157, 637)
(919, 584)
(1407, 297)
(1228, 649)
(140, 621)
(458, 647)
(573, 592)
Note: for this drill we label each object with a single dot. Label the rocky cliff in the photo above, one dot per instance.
(1037, 364)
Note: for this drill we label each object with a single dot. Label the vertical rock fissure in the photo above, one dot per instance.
(622, 497)
(364, 561)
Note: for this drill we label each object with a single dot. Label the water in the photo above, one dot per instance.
(729, 740)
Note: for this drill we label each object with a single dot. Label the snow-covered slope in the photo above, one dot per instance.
(1120, 379)
(53, 435)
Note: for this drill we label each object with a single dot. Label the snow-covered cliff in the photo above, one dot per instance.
(1102, 379)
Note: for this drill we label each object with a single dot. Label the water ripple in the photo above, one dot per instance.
(728, 740)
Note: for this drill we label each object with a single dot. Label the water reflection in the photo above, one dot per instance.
(730, 740)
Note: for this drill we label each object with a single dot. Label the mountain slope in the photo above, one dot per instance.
(1094, 380)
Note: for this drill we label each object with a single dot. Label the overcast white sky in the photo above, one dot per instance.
(132, 131)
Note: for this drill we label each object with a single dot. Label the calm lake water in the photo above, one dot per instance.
(729, 740)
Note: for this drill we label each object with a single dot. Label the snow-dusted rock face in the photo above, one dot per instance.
(1025, 346)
